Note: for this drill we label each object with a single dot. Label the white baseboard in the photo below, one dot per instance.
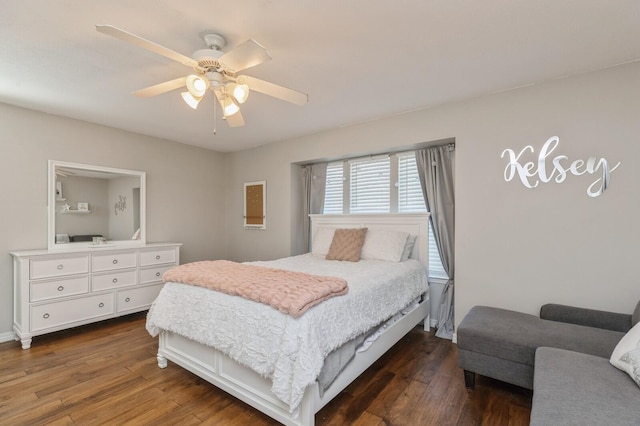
(455, 338)
(7, 337)
(433, 323)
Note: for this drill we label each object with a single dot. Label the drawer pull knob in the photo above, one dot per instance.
(60, 288)
(158, 257)
(45, 316)
(128, 299)
(101, 305)
(60, 267)
(115, 280)
(157, 274)
(115, 261)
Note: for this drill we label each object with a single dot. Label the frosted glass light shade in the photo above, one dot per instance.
(191, 100)
(197, 85)
(229, 107)
(240, 92)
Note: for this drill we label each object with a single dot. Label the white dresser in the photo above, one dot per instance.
(59, 289)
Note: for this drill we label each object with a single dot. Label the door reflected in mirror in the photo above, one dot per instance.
(95, 205)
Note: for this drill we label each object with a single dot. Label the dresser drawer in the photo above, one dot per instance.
(48, 268)
(59, 288)
(152, 275)
(108, 262)
(113, 280)
(57, 314)
(157, 257)
(137, 298)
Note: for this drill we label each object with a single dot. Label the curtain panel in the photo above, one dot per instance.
(435, 169)
(314, 184)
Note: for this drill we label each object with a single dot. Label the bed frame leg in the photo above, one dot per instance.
(162, 361)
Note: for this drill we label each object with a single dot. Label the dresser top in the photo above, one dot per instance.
(91, 249)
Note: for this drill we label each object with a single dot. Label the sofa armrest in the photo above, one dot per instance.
(588, 317)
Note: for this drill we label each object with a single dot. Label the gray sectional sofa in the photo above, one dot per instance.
(563, 355)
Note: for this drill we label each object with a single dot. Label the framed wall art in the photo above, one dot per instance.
(255, 205)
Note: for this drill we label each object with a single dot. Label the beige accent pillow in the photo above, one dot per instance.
(347, 244)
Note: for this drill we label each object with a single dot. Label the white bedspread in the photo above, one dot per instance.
(290, 351)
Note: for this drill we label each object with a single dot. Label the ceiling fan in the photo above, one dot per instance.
(213, 70)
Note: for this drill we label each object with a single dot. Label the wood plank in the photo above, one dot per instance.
(106, 373)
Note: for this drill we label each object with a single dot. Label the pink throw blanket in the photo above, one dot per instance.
(288, 291)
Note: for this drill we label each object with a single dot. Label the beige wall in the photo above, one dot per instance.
(516, 248)
(185, 186)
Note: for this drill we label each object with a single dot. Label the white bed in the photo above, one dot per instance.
(299, 401)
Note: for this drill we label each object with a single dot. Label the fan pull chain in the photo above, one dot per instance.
(215, 115)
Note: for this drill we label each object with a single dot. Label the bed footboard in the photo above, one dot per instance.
(235, 379)
(248, 386)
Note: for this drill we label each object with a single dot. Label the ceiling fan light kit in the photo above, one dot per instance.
(229, 107)
(191, 100)
(240, 92)
(214, 70)
(197, 85)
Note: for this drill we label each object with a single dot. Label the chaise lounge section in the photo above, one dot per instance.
(573, 380)
(501, 344)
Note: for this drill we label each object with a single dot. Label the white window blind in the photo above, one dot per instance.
(333, 193)
(370, 192)
(369, 185)
(410, 198)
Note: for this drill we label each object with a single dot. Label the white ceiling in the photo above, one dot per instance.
(358, 60)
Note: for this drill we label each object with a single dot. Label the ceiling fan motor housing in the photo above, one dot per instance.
(214, 41)
(207, 58)
(214, 77)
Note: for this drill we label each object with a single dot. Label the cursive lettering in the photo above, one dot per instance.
(556, 168)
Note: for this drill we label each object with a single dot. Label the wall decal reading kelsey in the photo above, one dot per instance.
(531, 176)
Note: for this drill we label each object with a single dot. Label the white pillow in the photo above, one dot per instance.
(408, 248)
(626, 355)
(322, 240)
(380, 244)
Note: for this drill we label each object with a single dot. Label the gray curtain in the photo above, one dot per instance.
(314, 184)
(435, 168)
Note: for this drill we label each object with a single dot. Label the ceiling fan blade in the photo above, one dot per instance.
(235, 120)
(247, 55)
(161, 88)
(145, 44)
(274, 90)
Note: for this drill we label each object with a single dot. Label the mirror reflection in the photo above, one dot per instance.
(95, 205)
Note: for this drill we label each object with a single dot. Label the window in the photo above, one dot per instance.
(333, 194)
(369, 186)
(381, 184)
(410, 197)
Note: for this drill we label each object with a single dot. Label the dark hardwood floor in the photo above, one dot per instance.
(106, 373)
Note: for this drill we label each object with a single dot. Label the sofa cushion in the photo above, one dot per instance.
(515, 336)
(571, 388)
(589, 317)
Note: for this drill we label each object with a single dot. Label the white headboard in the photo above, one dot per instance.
(413, 223)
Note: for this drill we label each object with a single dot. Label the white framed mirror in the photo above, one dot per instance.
(95, 206)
